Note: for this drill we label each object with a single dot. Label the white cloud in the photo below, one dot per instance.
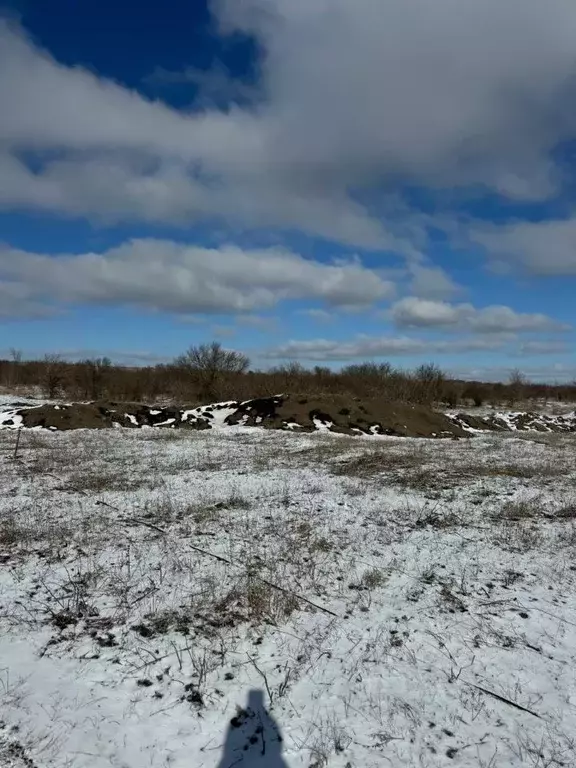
(431, 282)
(368, 347)
(544, 248)
(108, 153)
(168, 276)
(17, 301)
(448, 91)
(412, 312)
(454, 92)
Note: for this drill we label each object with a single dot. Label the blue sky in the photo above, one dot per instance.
(312, 180)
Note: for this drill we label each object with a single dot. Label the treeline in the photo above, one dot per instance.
(209, 373)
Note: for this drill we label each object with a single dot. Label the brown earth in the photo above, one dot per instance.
(291, 412)
(340, 414)
(76, 416)
(522, 422)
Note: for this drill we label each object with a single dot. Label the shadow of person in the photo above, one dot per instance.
(253, 739)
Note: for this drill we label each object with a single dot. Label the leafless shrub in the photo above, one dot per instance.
(96, 479)
(542, 468)
(379, 460)
(520, 509)
(10, 532)
(237, 501)
(164, 621)
(566, 512)
(373, 578)
(194, 380)
(517, 534)
(53, 376)
(31, 527)
(253, 601)
(566, 535)
(204, 513)
(328, 738)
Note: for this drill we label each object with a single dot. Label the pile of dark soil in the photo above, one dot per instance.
(288, 412)
(521, 422)
(340, 414)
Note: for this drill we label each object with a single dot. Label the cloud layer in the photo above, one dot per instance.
(171, 277)
(412, 312)
(543, 247)
(368, 347)
(450, 93)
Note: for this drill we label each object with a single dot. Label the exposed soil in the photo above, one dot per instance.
(289, 412)
(340, 414)
(286, 412)
(520, 421)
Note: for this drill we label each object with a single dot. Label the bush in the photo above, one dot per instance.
(208, 372)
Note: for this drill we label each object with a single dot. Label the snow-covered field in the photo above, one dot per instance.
(261, 598)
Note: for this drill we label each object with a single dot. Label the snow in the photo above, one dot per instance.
(441, 582)
(7, 400)
(10, 420)
(166, 422)
(217, 412)
(322, 426)
(514, 421)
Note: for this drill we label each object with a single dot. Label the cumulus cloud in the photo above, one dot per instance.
(412, 312)
(103, 151)
(18, 301)
(367, 347)
(431, 282)
(445, 93)
(543, 248)
(168, 276)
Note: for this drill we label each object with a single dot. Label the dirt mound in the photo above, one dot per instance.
(76, 416)
(288, 412)
(516, 422)
(339, 414)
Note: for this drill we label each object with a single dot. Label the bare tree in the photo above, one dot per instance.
(517, 382)
(16, 355)
(431, 380)
(53, 376)
(210, 364)
(92, 376)
(368, 370)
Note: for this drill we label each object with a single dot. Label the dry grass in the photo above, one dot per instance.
(104, 479)
(521, 509)
(26, 529)
(379, 460)
(150, 593)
